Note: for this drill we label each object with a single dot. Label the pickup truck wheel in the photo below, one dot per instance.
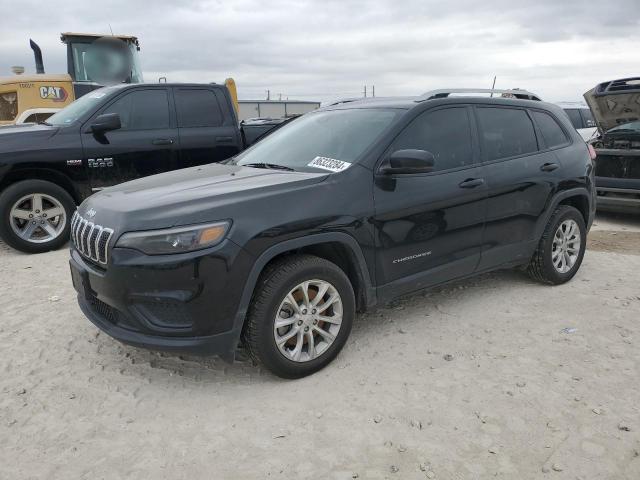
(35, 216)
(561, 248)
(300, 316)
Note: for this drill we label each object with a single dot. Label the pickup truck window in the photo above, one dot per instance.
(341, 135)
(197, 108)
(142, 110)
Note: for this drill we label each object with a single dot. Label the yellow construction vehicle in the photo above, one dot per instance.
(92, 61)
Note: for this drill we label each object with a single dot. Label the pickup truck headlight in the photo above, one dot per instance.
(175, 240)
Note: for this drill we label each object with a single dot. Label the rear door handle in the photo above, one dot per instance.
(162, 141)
(549, 167)
(472, 183)
(224, 139)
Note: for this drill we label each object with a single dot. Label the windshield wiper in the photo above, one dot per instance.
(272, 166)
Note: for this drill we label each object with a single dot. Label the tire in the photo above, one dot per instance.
(542, 267)
(270, 303)
(53, 198)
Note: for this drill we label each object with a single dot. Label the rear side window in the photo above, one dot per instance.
(142, 110)
(552, 133)
(445, 133)
(574, 116)
(198, 108)
(505, 132)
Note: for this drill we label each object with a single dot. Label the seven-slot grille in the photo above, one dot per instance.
(90, 240)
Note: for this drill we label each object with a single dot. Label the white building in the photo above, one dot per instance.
(274, 108)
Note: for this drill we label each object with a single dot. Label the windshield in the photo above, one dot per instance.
(320, 141)
(77, 109)
(626, 127)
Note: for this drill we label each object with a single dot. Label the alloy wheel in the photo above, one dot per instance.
(566, 246)
(308, 320)
(38, 218)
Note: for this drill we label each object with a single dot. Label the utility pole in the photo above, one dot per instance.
(279, 96)
(373, 91)
(268, 94)
(365, 91)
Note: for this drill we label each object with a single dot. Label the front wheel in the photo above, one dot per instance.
(35, 216)
(300, 316)
(561, 248)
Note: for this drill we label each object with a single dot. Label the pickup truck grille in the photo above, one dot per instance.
(91, 240)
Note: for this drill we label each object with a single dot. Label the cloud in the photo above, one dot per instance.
(328, 49)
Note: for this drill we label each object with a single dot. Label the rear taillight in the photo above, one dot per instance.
(592, 152)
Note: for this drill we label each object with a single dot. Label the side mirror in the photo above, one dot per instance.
(409, 161)
(105, 123)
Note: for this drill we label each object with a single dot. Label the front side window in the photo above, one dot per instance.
(552, 133)
(445, 133)
(197, 108)
(142, 110)
(505, 132)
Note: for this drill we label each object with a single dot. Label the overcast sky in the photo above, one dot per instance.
(320, 50)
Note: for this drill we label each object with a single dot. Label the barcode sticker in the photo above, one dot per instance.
(330, 164)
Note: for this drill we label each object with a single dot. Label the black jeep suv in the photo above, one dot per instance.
(347, 207)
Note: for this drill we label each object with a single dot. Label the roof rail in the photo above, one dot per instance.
(445, 92)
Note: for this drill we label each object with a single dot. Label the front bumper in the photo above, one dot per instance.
(184, 303)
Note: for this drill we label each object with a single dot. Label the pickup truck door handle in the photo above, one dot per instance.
(472, 183)
(224, 139)
(162, 141)
(549, 167)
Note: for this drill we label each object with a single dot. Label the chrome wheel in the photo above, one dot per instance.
(566, 246)
(38, 218)
(308, 320)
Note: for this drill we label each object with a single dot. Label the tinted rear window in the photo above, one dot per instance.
(198, 108)
(506, 132)
(552, 133)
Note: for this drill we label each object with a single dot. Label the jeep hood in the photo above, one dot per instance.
(614, 103)
(191, 195)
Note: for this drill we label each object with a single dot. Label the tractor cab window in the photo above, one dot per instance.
(100, 62)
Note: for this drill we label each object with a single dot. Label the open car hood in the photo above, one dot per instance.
(615, 102)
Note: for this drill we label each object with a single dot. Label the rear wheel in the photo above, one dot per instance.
(35, 216)
(300, 316)
(561, 248)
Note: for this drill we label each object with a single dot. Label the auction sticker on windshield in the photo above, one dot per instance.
(330, 164)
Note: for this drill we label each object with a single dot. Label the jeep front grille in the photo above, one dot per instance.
(90, 240)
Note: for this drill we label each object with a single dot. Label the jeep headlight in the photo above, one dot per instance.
(175, 240)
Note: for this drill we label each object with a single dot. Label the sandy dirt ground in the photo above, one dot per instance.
(496, 376)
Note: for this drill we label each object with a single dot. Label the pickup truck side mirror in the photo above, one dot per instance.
(105, 123)
(408, 161)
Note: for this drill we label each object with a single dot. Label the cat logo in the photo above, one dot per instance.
(57, 94)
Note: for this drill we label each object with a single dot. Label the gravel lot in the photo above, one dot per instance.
(496, 376)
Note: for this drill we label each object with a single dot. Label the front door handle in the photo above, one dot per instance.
(162, 141)
(549, 167)
(472, 183)
(224, 139)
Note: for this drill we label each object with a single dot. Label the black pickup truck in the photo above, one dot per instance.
(107, 137)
